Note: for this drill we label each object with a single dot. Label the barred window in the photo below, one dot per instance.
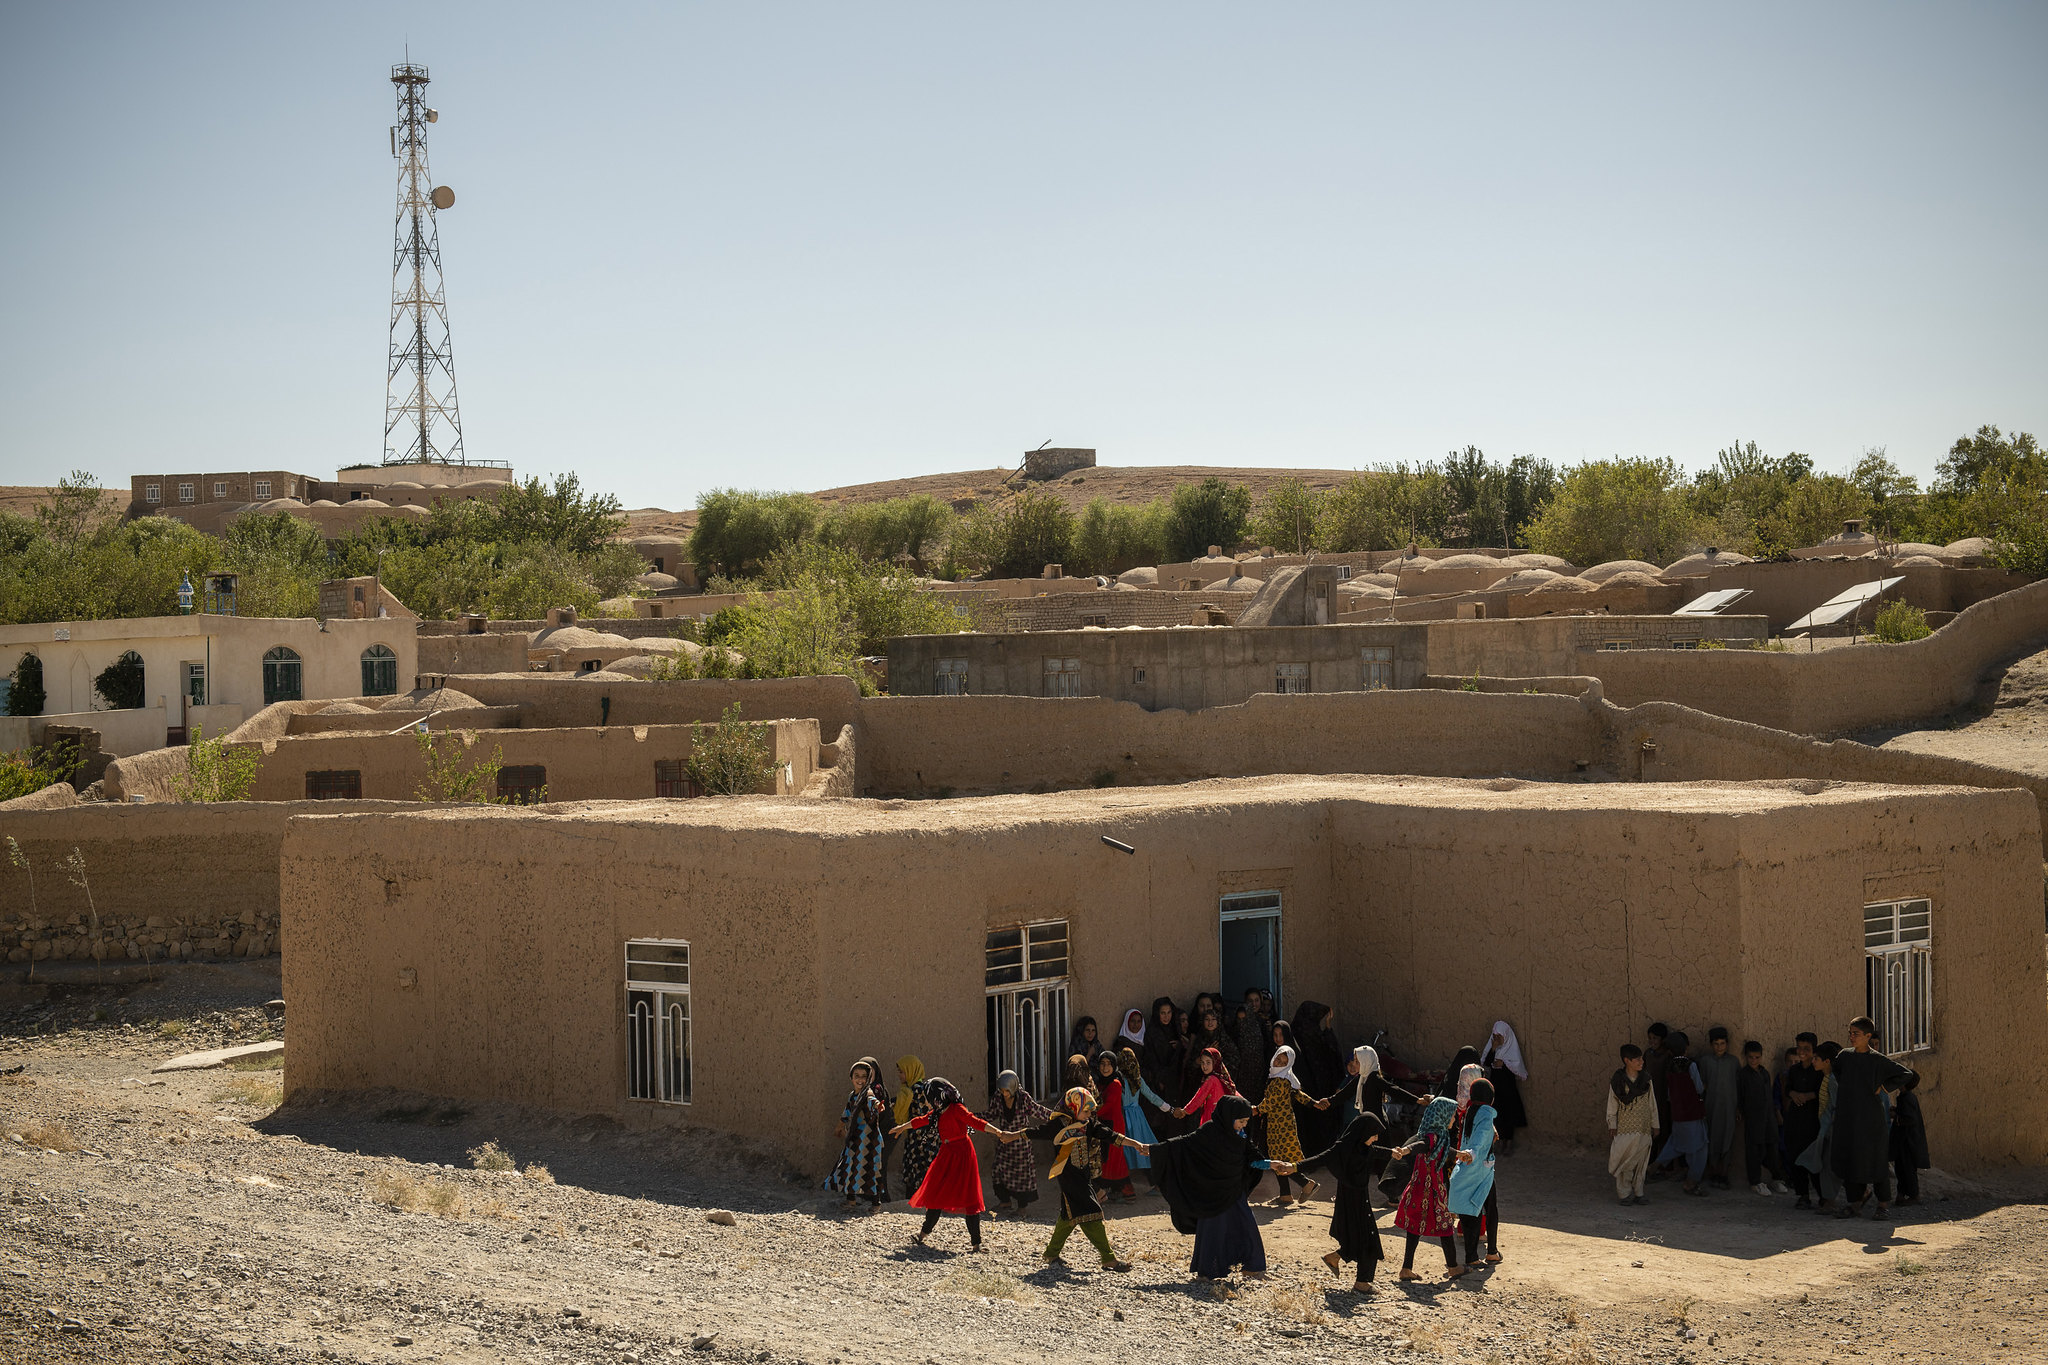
(1377, 664)
(524, 784)
(1898, 966)
(1026, 986)
(949, 678)
(672, 779)
(1062, 677)
(1290, 677)
(658, 1064)
(342, 784)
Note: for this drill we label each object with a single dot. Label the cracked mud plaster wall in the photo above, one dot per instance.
(1426, 908)
(563, 700)
(922, 745)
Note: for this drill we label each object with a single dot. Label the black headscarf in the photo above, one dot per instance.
(1360, 1154)
(942, 1094)
(1208, 1171)
(1467, 1056)
(1163, 1052)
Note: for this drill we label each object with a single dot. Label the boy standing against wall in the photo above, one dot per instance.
(1631, 1125)
(1721, 1073)
(1759, 1132)
(1802, 1116)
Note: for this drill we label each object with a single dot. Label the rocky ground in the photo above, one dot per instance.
(2008, 728)
(185, 1217)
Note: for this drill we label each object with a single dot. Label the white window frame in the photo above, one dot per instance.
(949, 678)
(184, 492)
(262, 490)
(220, 489)
(1028, 1018)
(152, 492)
(1290, 679)
(1062, 676)
(659, 1065)
(1376, 668)
(195, 681)
(1898, 973)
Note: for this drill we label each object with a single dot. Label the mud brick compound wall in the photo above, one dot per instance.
(169, 882)
(1428, 907)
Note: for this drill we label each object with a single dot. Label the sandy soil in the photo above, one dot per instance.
(2008, 728)
(197, 1222)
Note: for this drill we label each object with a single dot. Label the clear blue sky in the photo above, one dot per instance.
(800, 246)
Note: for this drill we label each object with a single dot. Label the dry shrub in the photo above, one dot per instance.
(1571, 1353)
(269, 1061)
(1906, 1265)
(170, 1028)
(538, 1174)
(266, 1091)
(494, 1207)
(413, 1195)
(988, 1284)
(54, 1136)
(491, 1157)
(1297, 1305)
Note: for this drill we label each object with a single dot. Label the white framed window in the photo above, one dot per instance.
(263, 490)
(184, 492)
(1062, 677)
(1290, 677)
(1376, 663)
(1898, 973)
(152, 492)
(658, 1020)
(1025, 976)
(195, 682)
(220, 490)
(1615, 646)
(949, 678)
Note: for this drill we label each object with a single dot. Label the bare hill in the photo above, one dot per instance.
(1134, 485)
(24, 499)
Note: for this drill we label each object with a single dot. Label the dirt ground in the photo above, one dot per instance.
(184, 1217)
(2008, 728)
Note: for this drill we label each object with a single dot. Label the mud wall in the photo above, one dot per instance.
(927, 745)
(562, 700)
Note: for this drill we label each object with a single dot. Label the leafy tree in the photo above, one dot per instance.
(454, 776)
(912, 529)
(562, 516)
(120, 683)
(1815, 509)
(1015, 540)
(1211, 512)
(75, 512)
(1898, 622)
(25, 694)
(1286, 517)
(1385, 509)
(732, 758)
(216, 772)
(1618, 509)
(737, 530)
(24, 772)
(536, 577)
(1990, 457)
(614, 567)
(1111, 537)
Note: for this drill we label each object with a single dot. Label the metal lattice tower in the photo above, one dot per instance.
(422, 422)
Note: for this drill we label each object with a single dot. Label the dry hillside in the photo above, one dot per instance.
(24, 499)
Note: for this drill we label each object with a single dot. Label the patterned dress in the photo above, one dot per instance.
(1011, 1166)
(1283, 1140)
(920, 1145)
(859, 1172)
(1425, 1207)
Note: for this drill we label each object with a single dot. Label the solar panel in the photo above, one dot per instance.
(1713, 603)
(1845, 604)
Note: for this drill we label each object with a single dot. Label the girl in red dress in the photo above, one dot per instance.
(1116, 1172)
(952, 1183)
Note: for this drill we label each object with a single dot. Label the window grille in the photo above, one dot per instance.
(283, 674)
(153, 492)
(380, 671)
(1377, 661)
(523, 784)
(1096, 619)
(263, 490)
(1290, 677)
(1138, 675)
(1062, 677)
(1616, 646)
(220, 490)
(1898, 966)
(658, 1066)
(195, 683)
(1026, 980)
(672, 780)
(949, 679)
(336, 785)
(184, 492)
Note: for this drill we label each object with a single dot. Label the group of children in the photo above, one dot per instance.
(1834, 1126)
(1164, 1100)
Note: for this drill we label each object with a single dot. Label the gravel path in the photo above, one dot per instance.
(197, 1222)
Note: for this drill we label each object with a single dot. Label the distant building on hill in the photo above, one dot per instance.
(211, 502)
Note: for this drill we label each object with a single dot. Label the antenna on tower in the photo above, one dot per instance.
(419, 395)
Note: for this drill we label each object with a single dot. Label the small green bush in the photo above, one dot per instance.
(214, 772)
(731, 758)
(1898, 622)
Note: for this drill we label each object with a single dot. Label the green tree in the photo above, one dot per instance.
(1111, 537)
(120, 684)
(1618, 509)
(737, 529)
(1989, 457)
(453, 775)
(25, 694)
(562, 516)
(1211, 512)
(1286, 517)
(613, 567)
(732, 758)
(216, 772)
(1814, 510)
(1898, 622)
(912, 529)
(536, 577)
(1027, 533)
(24, 772)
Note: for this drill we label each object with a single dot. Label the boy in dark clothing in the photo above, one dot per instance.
(1656, 1065)
(1908, 1140)
(1802, 1116)
(1759, 1132)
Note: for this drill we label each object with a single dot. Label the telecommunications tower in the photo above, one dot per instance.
(422, 423)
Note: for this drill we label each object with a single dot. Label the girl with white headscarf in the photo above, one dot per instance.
(1282, 1139)
(1369, 1093)
(1506, 1069)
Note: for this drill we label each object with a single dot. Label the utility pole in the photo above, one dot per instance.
(422, 422)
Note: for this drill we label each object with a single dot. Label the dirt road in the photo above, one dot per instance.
(197, 1222)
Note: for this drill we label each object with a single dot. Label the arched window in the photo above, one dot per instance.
(380, 672)
(282, 676)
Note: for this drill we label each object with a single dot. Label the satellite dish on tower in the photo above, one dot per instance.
(442, 197)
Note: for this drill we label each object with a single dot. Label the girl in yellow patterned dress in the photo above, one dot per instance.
(1283, 1140)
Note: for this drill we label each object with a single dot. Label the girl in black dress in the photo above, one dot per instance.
(1357, 1161)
